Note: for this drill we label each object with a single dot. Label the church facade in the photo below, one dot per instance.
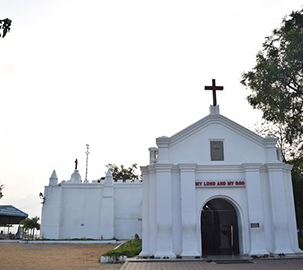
(216, 188)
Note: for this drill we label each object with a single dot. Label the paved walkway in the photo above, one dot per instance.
(256, 264)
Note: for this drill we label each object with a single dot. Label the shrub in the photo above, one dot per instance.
(130, 249)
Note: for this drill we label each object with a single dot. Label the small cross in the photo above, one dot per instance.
(214, 88)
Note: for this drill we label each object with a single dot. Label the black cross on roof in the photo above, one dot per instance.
(214, 88)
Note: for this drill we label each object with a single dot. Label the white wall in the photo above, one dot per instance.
(196, 148)
(128, 209)
(83, 210)
(81, 216)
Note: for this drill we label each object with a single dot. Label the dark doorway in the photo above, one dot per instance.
(219, 228)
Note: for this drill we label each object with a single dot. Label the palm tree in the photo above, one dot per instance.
(35, 225)
(26, 225)
(29, 225)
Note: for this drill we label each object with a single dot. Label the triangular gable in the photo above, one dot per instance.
(216, 119)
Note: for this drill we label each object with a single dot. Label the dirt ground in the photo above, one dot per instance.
(15, 256)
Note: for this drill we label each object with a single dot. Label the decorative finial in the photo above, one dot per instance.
(53, 180)
(214, 88)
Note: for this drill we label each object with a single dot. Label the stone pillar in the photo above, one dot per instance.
(255, 209)
(164, 211)
(188, 210)
(279, 208)
(153, 151)
(107, 208)
(145, 213)
(163, 143)
(271, 150)
(152, 210)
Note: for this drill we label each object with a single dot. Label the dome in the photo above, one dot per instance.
(75, 177)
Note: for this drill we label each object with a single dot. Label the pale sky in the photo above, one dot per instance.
(117, 75)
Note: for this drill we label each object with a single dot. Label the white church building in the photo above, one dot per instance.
(214, 188)
(217, 188)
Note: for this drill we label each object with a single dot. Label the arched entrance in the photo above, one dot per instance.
(219, 228)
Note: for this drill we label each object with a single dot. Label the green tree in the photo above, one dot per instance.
(1, 188)
(297, 180)
(26, 226)
(290, 151)
(123, 172)
(29, 225)
(34, 225)
(5, 27)
(276, 82)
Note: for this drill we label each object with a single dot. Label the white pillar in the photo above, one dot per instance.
(162, 143)
(152, 210)
(153, 152)
(107, 208)
(255, 209)
(145, 213)
(164, 211)
(188, 210)
(279, 208)
(271, 150)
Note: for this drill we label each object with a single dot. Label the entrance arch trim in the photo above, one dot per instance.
(242, 222)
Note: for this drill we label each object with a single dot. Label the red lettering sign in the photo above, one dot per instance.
(220, 183)
(240, 183)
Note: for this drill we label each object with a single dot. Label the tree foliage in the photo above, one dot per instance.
(289, 152)
(297, 180)
(29, 225)
(5, 27)
(276, 80)
(1, 188)
(123, 173)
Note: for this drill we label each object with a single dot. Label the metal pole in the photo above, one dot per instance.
(87, 153)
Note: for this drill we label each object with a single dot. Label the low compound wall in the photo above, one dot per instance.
(99, 209)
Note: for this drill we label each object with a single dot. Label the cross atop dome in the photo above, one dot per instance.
(213, 87)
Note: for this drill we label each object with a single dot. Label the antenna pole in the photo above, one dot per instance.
(87, 153)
